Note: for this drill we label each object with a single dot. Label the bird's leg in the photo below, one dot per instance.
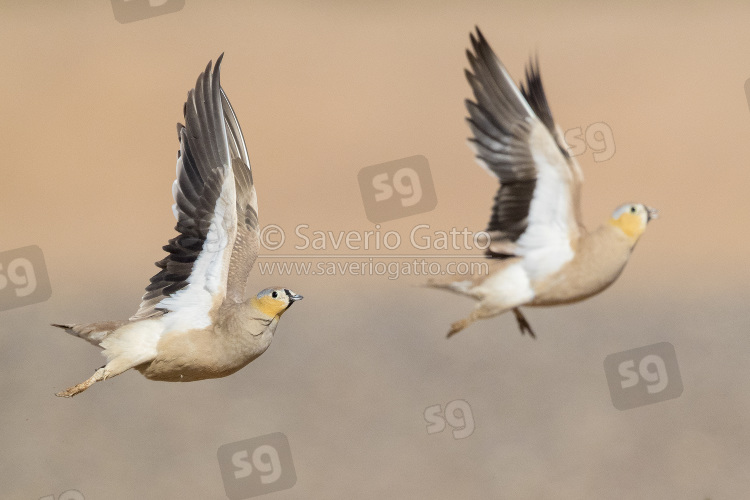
(523, 325)
(463, 323)
(483, 310)
(458, 326)
(98, 375)
(111, 369)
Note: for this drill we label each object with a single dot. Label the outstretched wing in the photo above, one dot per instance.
(533, 92)
(536, 206)
(194, 274)
(247, 241)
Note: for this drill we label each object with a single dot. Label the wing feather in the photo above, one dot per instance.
(536, 213)
(193, 275)
(247, 243)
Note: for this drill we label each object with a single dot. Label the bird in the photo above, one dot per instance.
(540, 253)
(194, 322)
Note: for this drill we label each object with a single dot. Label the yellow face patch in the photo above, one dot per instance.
(631, 224)
(269, 306)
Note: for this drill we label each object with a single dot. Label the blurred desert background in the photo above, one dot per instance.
(88, 108)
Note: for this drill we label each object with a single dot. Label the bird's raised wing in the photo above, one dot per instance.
(247, 241)
(213, 185)
(535, 213)
(533, 92)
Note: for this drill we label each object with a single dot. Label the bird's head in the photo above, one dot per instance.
(274, 301)
(632, 219)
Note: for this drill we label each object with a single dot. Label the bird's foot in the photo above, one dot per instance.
(100, 374)
(72, 391)
(457, 327)
(523, 325)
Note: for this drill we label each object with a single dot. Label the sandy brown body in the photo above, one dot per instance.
(228, 346)
(599, 259)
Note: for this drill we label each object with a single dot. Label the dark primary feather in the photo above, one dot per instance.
(203, 159)
(501, 119)
(533, 92)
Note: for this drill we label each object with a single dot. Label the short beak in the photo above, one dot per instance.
(293, 297)
(652, 213)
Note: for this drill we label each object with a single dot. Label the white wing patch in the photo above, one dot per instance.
(545, 245)
(207, 282)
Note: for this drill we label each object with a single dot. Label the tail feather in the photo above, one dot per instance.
(445, 283)
(93, 333)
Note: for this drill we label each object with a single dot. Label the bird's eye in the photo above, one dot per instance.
(274, 295)
(632, 210)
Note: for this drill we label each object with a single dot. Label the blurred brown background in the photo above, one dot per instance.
(323, 89)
